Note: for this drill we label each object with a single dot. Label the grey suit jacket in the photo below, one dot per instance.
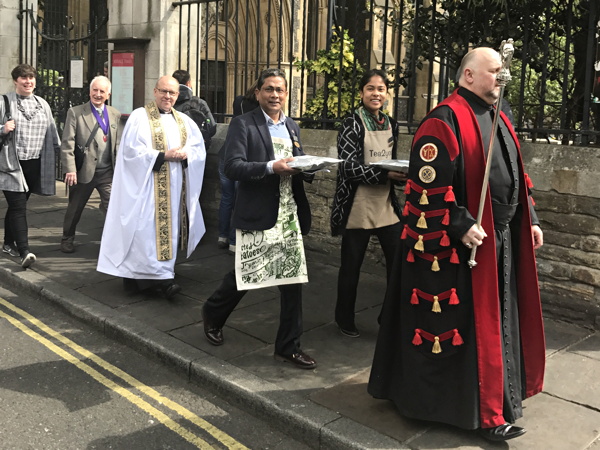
(79, 124)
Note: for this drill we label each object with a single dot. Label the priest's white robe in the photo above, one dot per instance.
(128, 248)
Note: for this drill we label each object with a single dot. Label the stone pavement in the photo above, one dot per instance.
(327, 407)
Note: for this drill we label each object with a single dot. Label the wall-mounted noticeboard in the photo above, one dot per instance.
(122, 81)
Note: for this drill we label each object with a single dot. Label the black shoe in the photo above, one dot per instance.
(171, 290)
(27, 260)
(213, 334)
(299, 359)
(223, 244)
(11, 250)
(350, 331)
(67, 246)
(502, 432)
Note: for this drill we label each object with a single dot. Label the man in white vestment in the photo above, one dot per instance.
(154, 205)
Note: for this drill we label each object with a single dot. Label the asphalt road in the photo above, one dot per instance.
(63, 386)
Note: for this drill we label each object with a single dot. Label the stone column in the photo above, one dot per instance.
(9, 41)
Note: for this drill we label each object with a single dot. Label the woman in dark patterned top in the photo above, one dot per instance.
(365, 203)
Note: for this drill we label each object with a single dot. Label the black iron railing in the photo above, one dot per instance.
(554, 92)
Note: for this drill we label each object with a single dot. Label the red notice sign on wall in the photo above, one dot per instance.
(122, 81)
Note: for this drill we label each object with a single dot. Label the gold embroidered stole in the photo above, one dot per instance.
(162, 182)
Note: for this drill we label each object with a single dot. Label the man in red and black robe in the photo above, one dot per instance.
(459, 345)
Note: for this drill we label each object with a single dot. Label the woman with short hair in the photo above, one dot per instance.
(27, 161)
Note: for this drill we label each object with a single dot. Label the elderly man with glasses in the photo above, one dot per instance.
(270, 215)
(154, 207)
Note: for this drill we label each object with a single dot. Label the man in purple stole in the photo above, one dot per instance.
(95, 127)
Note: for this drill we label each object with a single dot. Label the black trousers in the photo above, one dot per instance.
(16, 231)
(354, 246)
(223, 301)
(79, 195)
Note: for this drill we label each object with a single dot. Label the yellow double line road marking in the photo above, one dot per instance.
(219, 435)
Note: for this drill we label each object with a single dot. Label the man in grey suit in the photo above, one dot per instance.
(96, 172)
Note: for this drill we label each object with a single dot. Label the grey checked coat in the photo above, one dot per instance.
(11, 175)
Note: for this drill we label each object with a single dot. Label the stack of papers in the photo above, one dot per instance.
(396, 165)
(312, 163)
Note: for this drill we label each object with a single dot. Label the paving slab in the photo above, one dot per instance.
(236, 343)
(165, 315)
(110, 293)
(574, 378)
(589, 347)
(595, 445)
(350, 399)
(560, 335)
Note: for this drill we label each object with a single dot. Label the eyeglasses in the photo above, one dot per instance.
(166, 91)
(271, 89)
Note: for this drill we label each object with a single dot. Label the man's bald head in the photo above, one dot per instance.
(166, 92)
(478, 71)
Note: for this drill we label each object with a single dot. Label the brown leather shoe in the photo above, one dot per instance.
(299, 359)
(213, 334)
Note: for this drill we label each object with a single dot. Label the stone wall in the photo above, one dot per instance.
(9, 42)
(567, 195)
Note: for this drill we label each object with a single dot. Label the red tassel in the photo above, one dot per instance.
(410, 257)
(404, 232)
(414, 300)
(417, 339)
(453, 297)
(445, 240)
(405, 210)
(457, 339)
(454, 257)
(449, 197)
(446, 219)
(528, 181)
(407, 188)
(532, 201)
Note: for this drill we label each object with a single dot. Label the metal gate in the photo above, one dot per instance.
(66, 42)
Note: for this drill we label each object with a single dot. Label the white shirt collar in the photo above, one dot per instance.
(282, 118)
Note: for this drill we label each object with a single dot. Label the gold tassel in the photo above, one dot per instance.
(435, 267)
(436, 305)
(422, 223)
(437, 348)
(419, 244)
(423, 200)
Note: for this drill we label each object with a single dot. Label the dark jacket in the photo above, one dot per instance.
(248, 150)
(187, 103)
(241, 105)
